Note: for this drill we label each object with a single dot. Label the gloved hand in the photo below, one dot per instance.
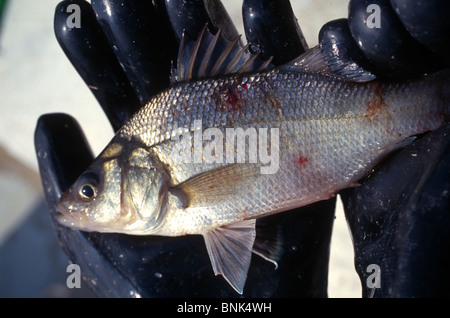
(123, 79)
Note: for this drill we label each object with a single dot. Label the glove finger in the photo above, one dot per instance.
(191, 16)
(62, 153)
(142, 43)
(85, 45)
(341, 52)
(271, 28)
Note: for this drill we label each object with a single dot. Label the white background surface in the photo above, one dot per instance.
(36, 78)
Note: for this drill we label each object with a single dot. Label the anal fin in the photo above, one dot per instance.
(230, 251)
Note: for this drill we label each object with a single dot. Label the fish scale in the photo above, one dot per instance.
(324, 133)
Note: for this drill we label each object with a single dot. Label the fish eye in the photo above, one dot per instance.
(87, 191)
(88, 185)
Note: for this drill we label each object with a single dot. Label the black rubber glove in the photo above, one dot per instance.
(127, 266)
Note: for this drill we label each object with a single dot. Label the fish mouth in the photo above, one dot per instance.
(69, 219)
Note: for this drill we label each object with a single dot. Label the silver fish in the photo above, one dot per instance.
(234, 139)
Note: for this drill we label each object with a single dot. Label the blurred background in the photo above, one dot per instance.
(36, 78)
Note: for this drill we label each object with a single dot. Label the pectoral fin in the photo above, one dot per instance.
(212, 187)
(230, 251)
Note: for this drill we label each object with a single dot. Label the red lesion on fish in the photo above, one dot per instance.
(228, 98)
(232, 99)
(301, 161)
(373, 110)
(376, 107)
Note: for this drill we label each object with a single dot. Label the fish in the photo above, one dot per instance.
(234, 139)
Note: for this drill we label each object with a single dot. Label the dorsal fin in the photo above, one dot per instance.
(213, 55)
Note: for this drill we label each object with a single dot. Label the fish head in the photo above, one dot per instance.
(122, 191)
